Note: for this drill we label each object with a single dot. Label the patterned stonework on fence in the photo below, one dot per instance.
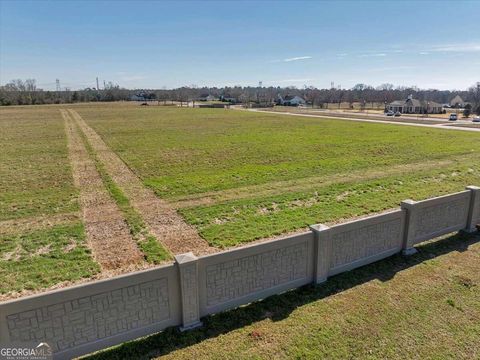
(76, 322)
(437, 216)
(370, 240)
(236, 278)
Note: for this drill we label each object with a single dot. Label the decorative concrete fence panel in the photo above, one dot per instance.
(89, 317)
(85, 318)
(353, 244)
(243, 275)
(435, 217)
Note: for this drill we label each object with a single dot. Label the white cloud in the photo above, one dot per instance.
(297, 58)
(424, 53)
(373, 55)
(471, 47)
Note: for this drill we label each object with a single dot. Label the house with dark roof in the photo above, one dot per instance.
(414, 106)
(290, 100)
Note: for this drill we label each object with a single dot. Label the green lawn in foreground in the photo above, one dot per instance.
(284, 172)
(36, 177)
(45, 257)
(426, 306)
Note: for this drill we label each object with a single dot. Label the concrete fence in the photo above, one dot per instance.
(85, 318)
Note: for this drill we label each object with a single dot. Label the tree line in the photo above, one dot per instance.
(25, 92)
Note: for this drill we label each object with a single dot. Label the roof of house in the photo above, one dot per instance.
(291, 97)
(456, 100)
(415, 103)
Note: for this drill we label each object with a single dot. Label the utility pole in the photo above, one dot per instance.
(57, 82)
(97, 84)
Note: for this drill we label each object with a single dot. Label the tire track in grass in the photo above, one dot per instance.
(154, 252)
(160, 218)
(107, 233)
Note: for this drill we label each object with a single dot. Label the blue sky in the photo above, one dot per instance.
(155, 44)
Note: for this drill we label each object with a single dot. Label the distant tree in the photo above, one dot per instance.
(467, 111)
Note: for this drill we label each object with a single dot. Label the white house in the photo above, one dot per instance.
(414, 106)
(291, 100)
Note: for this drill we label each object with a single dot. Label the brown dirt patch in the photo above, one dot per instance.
(161, 218)
(107, 232)
(25, 225)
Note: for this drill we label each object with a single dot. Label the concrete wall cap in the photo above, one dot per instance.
(408, 203)
(185, 258)
(319, 227)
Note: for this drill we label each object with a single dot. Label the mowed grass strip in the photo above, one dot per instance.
(426, 306)
(45, 257)
(154, 252)
(188, 153)
(238, 221)
(36, 178)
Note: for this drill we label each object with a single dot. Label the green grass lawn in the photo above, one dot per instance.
(36, 183)
(426, 306)
(239, 176)
(44, 257)
(36, 177)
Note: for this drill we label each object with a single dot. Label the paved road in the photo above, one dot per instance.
(366, 114)
(447, 125)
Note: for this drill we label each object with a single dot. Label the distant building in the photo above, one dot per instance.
(290, 100)
(138, 97)
(414, 106)
(229, 98)
(207, 97)
(457, 102)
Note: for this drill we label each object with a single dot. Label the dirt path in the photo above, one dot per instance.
(280, 187)
(107, 233)
(161, 218)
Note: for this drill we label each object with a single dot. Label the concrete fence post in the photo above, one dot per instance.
(323, 245)
(409, 233)
(188, 271)
(474, 211)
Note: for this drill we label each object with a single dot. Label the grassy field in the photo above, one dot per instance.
(35, 172)
(236, 176)
(42, 239)
(422, 307)
(44, 257)
(240, 176)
